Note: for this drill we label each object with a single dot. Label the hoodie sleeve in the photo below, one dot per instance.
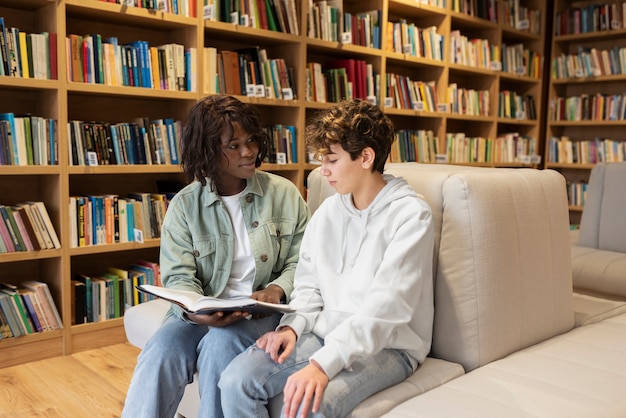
(398, 296)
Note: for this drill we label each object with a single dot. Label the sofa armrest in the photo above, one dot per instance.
(141, 321)
(599, 271)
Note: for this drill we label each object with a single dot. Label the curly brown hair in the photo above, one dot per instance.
(207, 121)
(355, 125)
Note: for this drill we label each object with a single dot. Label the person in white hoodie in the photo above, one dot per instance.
(363, 286)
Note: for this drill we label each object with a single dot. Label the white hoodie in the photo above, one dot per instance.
(364, 279)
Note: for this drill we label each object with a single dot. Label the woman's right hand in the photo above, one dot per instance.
(217, 319)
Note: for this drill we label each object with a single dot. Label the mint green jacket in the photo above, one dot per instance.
(197, 238)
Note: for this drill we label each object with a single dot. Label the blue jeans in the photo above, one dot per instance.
(252, 378)
(175, 352)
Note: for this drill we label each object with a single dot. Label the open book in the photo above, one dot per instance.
(192, 302)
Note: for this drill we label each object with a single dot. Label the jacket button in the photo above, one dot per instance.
(196, 253)
(264, 258)
(255, 224)
(249, 198)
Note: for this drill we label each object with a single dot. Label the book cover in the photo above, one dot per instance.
(40, 209)
(27, 298)
(5, 329)
(18, 305)
(6, 305)
(7, 216)
(86, 280)
(192, 302)
(21, 227)
(49, 308)
(77, 298)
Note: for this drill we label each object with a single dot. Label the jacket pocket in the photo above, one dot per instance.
(204, 248)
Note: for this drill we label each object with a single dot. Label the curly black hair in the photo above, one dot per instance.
(206, 123)
(355, 125)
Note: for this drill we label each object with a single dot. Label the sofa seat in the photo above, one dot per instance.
(590, 309)
(141, 321)
(581, 373)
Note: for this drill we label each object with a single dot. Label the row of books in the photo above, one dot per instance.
(99, 297)
(517, 16)
(248, 72)
(467, 101)
(593, 17)
(477, 53)
(562, 149)
(505, 148)
(27, 308)
(95, 59)
(424, 147)
(414, 146)
(110, 219)
(327, 21)
(274, 15)
(143, 141)
(28, 140)
(407, 38)
(516, 59)
(362, 29)
(27, 55)
(585, 107)
(577, 193)
(346, 78)
(590, 62)
(283, 144)
(403, 93)
(26, 226)
(516, 106)
(179, 7)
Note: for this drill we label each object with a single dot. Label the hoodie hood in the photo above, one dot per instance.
(355, 219)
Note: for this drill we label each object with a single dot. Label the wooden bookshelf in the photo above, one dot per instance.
(65, 101)
(579, 133)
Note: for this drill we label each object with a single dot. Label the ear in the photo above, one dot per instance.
(367, 157)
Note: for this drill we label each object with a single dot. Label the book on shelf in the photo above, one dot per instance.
(15, 232)
(21, 314)
(78, 294)
(192, 302)
(41, 213)
(12, 317)
(49, 308)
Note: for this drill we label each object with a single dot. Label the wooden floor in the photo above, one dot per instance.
(87, 384)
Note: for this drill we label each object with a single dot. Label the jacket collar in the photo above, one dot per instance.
(209, 196)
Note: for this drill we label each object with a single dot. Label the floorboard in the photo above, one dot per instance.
(87, 384)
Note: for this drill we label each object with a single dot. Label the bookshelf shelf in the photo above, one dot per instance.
(67, 101)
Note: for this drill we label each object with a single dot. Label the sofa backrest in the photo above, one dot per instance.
(502, 266)
(603, 225)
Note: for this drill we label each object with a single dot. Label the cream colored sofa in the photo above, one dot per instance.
(599, 247)
(503, 294)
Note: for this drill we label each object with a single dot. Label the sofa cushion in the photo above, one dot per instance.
(602, 223)
(579, 374)
(503, 279)
(599, 271)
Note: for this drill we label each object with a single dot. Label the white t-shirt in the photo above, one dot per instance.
(241, 276)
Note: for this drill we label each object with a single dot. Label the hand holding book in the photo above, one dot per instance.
(194, 303)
